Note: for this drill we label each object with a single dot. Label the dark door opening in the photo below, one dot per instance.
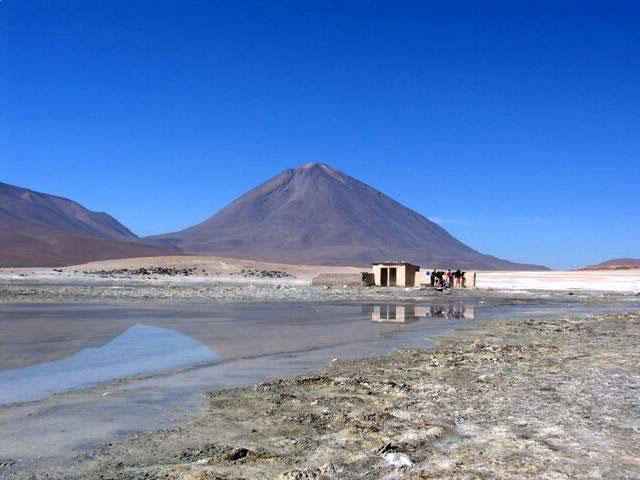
(384, 272)
(393, 274)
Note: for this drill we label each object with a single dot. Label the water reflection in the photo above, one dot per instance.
(141, 349)
(399, 313)
(45, 349)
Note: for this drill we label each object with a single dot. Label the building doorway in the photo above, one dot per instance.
(384, 275)
(393, 276)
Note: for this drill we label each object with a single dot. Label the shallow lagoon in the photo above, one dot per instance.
(52, 348)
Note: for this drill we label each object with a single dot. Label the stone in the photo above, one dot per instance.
(237, 454)
(398, 459)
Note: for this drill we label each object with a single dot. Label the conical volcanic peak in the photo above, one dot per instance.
(315, 214)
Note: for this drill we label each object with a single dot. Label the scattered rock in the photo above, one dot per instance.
(398, 459)
(255, 273)
(325, 472)
(145, 271)
(386, 449)
(435, 432)
(237, 454)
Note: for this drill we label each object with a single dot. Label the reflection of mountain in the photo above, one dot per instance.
(36, 334)
(140, 349)
(397, 313)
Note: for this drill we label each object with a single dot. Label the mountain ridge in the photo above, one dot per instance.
(23, 204)
(615, 264)
(39, 229)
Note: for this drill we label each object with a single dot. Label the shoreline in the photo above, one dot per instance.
(516, 390)
(218, 279)
(227, 292)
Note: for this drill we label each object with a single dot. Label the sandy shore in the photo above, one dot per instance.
(512, 399)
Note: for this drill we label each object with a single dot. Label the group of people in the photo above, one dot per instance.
(448, 279)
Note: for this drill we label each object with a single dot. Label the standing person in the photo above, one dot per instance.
(458, 278)
(433, 278)
(449, 278)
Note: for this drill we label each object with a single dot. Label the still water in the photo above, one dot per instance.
(74, 375)
(49, 349)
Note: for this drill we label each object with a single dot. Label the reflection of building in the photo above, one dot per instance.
(395, 313)
(392, 313)
(421, 310)
(395, 274)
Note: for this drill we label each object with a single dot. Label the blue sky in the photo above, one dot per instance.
(161, 112)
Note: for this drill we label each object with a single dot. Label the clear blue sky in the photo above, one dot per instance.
(161, 112)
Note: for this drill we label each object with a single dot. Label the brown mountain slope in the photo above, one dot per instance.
(37, 229)
(58, 213)
(317, 215)
(616, 264)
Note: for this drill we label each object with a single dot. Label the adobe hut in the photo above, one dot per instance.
(395, 274)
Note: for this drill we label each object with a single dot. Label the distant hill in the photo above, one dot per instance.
(37, 229)
(317, 215)
(616, 264)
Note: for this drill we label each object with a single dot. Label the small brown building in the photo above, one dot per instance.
(395, 274)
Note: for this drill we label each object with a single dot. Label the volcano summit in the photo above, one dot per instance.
(315, 214)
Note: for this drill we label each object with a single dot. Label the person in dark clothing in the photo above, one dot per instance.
(433, 277)
(458, 278)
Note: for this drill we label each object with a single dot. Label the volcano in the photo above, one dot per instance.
(314, 214)
(38, 230)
